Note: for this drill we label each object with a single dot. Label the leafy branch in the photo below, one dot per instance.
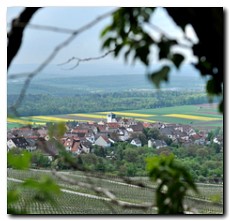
(127, 32)
(173, 183)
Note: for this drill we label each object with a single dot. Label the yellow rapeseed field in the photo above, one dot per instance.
(88, 115)
(128, 114)
(48, 118)
(24, 122)
(51, 119)
(192, 117)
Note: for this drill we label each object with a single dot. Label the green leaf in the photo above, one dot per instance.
(158, 76)
(61, 129)
(163, 50)
(106, 30)
(199, 66)
(12, 196)
(118, 49)
(57, 130)
(126, 54)
(108, 42)
(173, 181)
(164, 47)
(142, 53)
(213, 86)
(177, 59)
(19, 161)
(221, 106)
(45, 188)
(16, 211)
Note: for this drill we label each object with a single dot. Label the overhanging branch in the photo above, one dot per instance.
(15, 35)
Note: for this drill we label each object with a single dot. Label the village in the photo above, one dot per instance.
(82, 137)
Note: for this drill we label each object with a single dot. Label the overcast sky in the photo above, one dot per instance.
(38, 44)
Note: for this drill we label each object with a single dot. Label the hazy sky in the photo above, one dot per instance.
(38, 44)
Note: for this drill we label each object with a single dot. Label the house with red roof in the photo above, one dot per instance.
(72, 144)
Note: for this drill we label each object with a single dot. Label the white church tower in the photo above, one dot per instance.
(111, 118)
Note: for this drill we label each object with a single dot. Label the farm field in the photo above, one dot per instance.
(200, 116)
(76, 200)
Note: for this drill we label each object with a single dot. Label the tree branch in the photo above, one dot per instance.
(16, 33)
(79, 60)
(111, 197)
(45, 28)
(52, 56)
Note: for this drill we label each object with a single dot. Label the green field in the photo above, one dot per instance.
(78, 200)
(201, 116)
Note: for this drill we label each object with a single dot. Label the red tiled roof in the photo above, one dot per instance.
(101, 127)
(24, 128)
(75, 147)
(113, 125)
(69, 141)
(196, 136)
(146, 125)
(106, 138)
(80, 131)
(32, 137)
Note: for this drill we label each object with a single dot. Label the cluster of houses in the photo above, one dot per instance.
(81, 137)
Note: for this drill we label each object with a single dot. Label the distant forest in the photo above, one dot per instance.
(45, 104)
(53, 94)
(72, 85)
